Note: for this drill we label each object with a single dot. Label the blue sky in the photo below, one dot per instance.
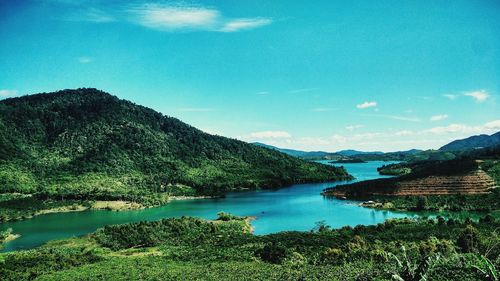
(327, 75)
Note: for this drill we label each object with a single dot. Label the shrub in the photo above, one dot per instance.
(468, 240)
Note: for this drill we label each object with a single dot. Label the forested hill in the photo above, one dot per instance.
(87, 144)
(473, 142)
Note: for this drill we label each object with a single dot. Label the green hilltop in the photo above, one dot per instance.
(87, 144)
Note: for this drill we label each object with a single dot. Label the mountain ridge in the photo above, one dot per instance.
(473, 142)
(86, 143)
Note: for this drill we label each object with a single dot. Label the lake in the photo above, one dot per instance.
(296, 207)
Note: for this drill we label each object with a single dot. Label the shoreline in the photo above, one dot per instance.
(103, 205)
(11, 237)
(180, 198)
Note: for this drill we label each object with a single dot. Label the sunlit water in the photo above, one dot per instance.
(297, 207)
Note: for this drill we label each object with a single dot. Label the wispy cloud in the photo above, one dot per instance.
(404, 133)
(85, 59)
(243, 24)
(97, 15)
(452, 128)
(353, 127)
(488, 127)
(174, 17)
(450, 96)
(82, 12)
(492, 125)
(262, 93)
(323, 109)
(385, 140)
(8, 93)
(478, 96)
(271, 135)
(395, 117)
(170, 17)
(367, 104)
(195, 109)
(190, 18)
(303, 90)
(439, 117)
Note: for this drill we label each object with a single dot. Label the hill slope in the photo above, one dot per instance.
(87, 144)
(474, 142)
(457, 176)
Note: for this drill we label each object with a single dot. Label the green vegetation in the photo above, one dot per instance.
(20, 206)
(407, 171)
(88, 145)
(482, 203)
(224, 249)
(4, 235)
(399, 169)
(367, 189)
(348, 160)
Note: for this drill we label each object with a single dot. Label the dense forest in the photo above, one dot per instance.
(224, 249)
(87, 144)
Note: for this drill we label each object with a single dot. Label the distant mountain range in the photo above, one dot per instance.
(342, 154)
(310, 155)
(351, 152)
(474, 142)
(446, 152)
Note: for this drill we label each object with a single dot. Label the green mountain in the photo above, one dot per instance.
(307, 155)
(87, 144)
(474, 142)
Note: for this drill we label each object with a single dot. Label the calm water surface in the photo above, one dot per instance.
(297, 207)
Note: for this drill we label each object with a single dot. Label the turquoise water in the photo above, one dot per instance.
(297, 207)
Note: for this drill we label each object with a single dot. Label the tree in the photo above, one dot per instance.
(468, 241)
(421, 203)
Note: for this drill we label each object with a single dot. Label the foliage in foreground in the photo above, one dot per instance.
(195, 249)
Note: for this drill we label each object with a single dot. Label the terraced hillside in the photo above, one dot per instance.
(475, 182)
(453, 177)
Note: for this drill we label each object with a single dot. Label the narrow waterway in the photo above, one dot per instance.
(297, 207)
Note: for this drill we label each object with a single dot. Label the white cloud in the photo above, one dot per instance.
(478, 96)
(304, 90)
(367, 104)
(452, 128)
(493, 125)
(195, 109)
(489, 127)
(438, 117)
(85, 59)
(185, 18)
(388, 140)
(242, 24)
(8, 93)
(263, 93)
(404, 133)
(96, 15)
(175, 17)
(450, 96)
(82, 12)
(353, 127)
(271, 134)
